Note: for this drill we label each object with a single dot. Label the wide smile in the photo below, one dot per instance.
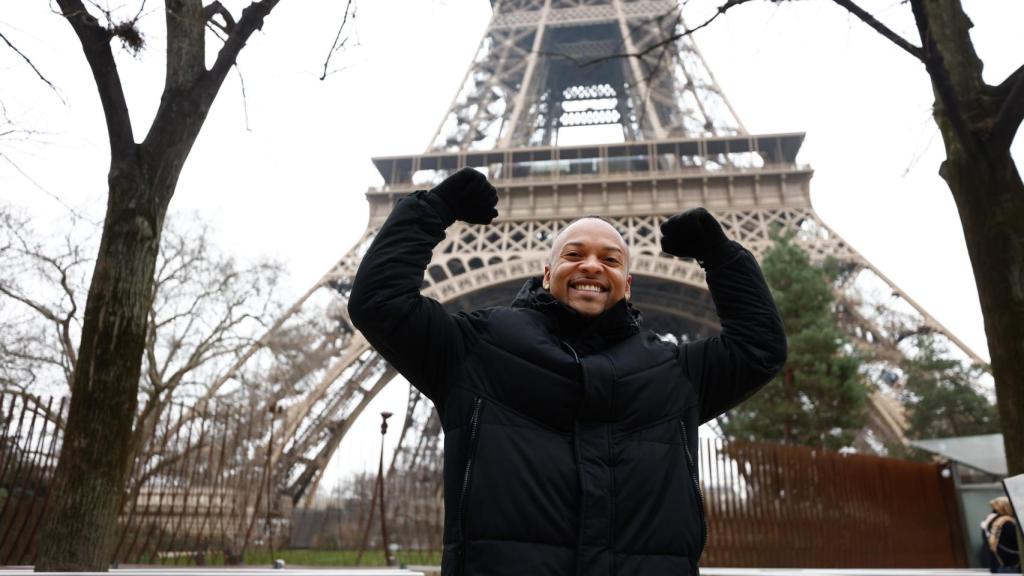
(588, 287)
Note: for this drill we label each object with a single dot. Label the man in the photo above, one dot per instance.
(570, 434)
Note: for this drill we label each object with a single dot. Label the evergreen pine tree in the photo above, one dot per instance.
(819, 398)
(941, 396)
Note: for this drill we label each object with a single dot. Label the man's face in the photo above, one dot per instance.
(587, 271)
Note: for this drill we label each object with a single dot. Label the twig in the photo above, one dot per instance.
(338, 42)
(76, 214)
(882, 29)
(34, 69)
(639, 55)
(245, 99)
(138, 14)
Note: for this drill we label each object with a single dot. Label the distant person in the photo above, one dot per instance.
(570, 433)
(999, 552)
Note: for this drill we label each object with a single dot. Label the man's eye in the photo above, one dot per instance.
(572, 254)
(611, 260)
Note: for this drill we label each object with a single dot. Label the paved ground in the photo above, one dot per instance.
(434, 570)
(243, 571)
(839, 572)
(428, 570)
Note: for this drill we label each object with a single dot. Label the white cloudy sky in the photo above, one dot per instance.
(291, 184)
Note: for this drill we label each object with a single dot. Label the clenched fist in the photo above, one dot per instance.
(693, 234)
(469, 196)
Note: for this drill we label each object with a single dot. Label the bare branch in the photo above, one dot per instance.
(251, 21)
(652, 74)
(65, 323)
(667, 41)
(170, 127)
(245, 99)
(338, 42)
(1011, 112)
(95, 40)
(936, 67)
(138, 13)
(34, 69)
(882, 29)
(10, 131)
(215, 8)
(40, 308)
(26, 355)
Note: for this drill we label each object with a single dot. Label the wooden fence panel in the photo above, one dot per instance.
(775, 506)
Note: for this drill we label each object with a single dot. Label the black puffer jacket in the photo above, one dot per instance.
(570, 444)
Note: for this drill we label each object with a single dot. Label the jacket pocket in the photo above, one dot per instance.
(695, 486)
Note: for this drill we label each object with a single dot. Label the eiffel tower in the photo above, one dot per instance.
(544, 69)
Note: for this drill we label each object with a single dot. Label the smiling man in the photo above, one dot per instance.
(570, 432)
(589, 267)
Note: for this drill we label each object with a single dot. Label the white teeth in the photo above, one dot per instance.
(587, 288)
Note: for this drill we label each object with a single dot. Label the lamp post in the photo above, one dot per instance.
(378, 492)
(388, 558)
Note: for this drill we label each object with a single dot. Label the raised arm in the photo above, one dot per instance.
(751, 349)
(415, 333)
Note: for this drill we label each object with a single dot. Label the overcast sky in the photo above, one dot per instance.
(285, 174)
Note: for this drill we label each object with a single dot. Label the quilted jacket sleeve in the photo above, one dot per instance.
(415, 333)
(751, 349)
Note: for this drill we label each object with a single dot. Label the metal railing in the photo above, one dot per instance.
(197, 491)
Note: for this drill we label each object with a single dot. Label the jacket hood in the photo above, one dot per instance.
(585, 334)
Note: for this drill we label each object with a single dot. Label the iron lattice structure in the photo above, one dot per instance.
(543, 67)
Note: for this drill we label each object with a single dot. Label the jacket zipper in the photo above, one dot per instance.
(696, 489)
(572, 351)
(474, 433)
(576, 455)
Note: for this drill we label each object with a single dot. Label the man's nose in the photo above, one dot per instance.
(592, 263)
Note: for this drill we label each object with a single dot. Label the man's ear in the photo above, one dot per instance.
(547, 277)
(629, 284)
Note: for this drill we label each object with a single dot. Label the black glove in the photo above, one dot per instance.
(469, 196)
(694, 234)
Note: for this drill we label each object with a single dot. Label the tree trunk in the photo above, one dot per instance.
(990, 199)
(978, 123)
(82, 515)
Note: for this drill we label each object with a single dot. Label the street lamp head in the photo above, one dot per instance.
(384, 422)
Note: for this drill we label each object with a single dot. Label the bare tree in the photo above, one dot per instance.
(207, 310)
(40, 294)
(978, 123)
(78, 529)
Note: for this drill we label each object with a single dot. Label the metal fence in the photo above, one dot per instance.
(200, 493)
(197, 492)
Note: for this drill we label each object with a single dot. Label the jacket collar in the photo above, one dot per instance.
(585, 335)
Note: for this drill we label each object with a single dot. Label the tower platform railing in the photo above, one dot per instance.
(654, 176)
